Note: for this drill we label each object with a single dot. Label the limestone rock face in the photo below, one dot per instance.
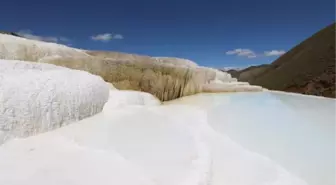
(167, 78)
(175, 61)
(18, 48)
(38, 97)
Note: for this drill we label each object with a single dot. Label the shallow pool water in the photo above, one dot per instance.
(295, 131)
(208, 139)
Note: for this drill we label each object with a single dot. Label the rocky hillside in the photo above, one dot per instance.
(308, 68)
(250, 73)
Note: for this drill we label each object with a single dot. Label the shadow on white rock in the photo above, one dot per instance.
(123, 98)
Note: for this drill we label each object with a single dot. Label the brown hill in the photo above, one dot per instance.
(308, 68)
(251, 73)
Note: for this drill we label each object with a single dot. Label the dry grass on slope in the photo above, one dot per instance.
(163, 81)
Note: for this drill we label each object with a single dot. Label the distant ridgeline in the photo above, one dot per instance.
(10, 33)
(308, 68)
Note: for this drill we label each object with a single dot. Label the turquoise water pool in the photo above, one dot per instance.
(295, 131)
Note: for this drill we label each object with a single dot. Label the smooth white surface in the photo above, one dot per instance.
(230, 87)
(161, 145)
(121, 98)
(38, 97)
(18, 48)
(296, 131)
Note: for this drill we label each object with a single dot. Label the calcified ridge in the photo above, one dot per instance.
(164, 77)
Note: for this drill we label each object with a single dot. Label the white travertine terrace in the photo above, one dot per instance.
(37, 97)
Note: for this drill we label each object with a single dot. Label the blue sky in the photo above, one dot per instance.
(223, 33)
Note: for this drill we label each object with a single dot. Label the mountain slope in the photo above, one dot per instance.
(252, 72)
(308, 68)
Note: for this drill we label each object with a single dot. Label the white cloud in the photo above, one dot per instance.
(242, 52)
(248, 53)
(233, 68)
(102, 37)
(118, 36)
(29, 35)
(274, 53)
(105, 37)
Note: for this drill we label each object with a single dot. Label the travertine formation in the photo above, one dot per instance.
(166, 78)
(37, 97)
